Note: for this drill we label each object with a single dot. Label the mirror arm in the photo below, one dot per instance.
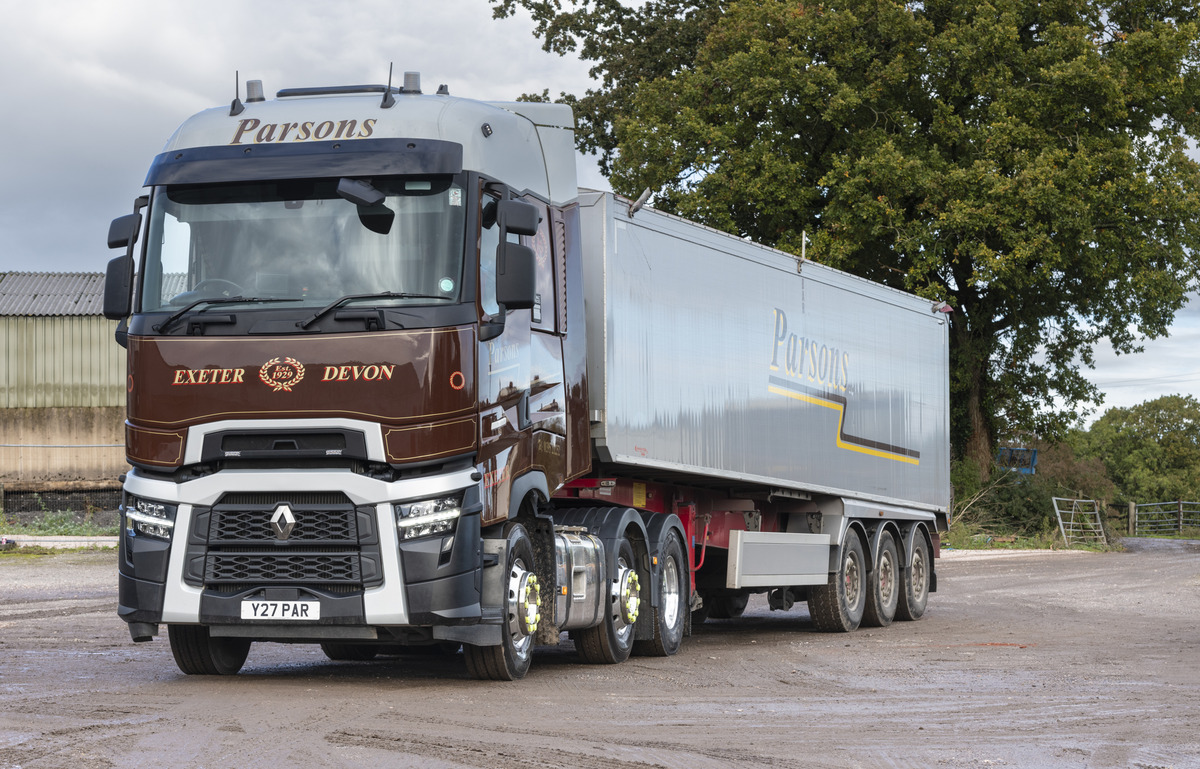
(492, 327)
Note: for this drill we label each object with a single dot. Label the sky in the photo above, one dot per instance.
(93, 88)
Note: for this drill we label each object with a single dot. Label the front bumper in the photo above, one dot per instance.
(344, 553)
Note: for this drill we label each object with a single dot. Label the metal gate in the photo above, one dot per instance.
(1164, 518)
(1079, 521)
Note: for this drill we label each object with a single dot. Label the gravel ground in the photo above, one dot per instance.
(1024, 659)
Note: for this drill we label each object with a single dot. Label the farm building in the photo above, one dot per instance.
(62, 388)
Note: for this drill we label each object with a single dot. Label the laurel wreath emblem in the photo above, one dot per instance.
(294, 367)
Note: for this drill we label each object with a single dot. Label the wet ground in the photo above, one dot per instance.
(1023, 659)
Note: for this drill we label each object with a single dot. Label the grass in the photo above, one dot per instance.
(980, 531)
(968, 536)
(38, 551)
(58, 524)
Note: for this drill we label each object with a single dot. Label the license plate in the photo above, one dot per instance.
(281, 610)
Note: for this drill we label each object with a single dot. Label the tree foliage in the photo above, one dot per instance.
(1023, 161)
(1152, 450)
(628, 45)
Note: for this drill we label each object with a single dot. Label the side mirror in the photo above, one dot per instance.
(517, 217)
(516, 286)
(118, 279)
(123, 231)
(118, 287)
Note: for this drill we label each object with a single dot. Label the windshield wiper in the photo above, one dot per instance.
(352, 297)
(162, 327)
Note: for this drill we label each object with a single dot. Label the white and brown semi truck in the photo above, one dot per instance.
(394, 380)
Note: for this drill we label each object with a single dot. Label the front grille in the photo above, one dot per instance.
(282, 568)
(254, 525)
(333, 545)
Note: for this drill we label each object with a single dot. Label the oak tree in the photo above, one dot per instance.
(1024, 161)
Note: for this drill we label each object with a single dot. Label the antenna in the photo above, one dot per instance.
(236, 107)
(388, 100)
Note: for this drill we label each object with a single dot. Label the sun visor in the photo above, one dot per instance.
(307, 160)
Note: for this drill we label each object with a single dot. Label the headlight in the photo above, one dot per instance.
(148, 517)
(427, 517)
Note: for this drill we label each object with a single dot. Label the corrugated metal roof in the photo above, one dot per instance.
(51, 293)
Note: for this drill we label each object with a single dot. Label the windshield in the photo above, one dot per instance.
(298, 241)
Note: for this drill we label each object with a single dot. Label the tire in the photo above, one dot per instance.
(671, 613)
(728, 606)
(837, 607)
(350, 652)
(915, 592)
(510, 660)
(883, 589)
(611, 641)
(199, 654)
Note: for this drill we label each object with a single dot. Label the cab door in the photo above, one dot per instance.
(505, 437)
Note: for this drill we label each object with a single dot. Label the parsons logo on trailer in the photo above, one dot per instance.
(281, 375)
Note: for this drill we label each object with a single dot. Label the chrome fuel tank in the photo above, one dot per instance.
(579, 602)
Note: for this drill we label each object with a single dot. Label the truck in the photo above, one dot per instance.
(395, 382)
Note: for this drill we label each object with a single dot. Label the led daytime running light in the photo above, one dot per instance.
(149, 517)
(149, 520)
(427, 517)
(424, 520)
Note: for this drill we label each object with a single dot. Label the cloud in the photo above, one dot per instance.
(95, 89)
(1167, 365)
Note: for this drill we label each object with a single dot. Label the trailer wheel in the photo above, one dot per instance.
(612, 640)
(671, 612)
(837, 606)
(199, 654)
(350, 652)
(883, 590)
(509, 661)
(915, 593)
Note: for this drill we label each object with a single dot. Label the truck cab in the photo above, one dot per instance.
(350, 353)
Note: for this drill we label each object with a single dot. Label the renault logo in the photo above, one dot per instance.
(283, 521)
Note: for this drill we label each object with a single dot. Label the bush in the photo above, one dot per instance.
(1020, 507)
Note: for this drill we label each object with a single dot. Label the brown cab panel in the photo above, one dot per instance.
(420, 379)
(424, 442)
(161, 448)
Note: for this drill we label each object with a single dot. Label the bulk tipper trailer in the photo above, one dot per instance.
(394, 380)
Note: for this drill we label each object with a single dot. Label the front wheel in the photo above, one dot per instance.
(199, 654)
(612, 640)
(671, 612)
(837, 606)
(510, 660)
